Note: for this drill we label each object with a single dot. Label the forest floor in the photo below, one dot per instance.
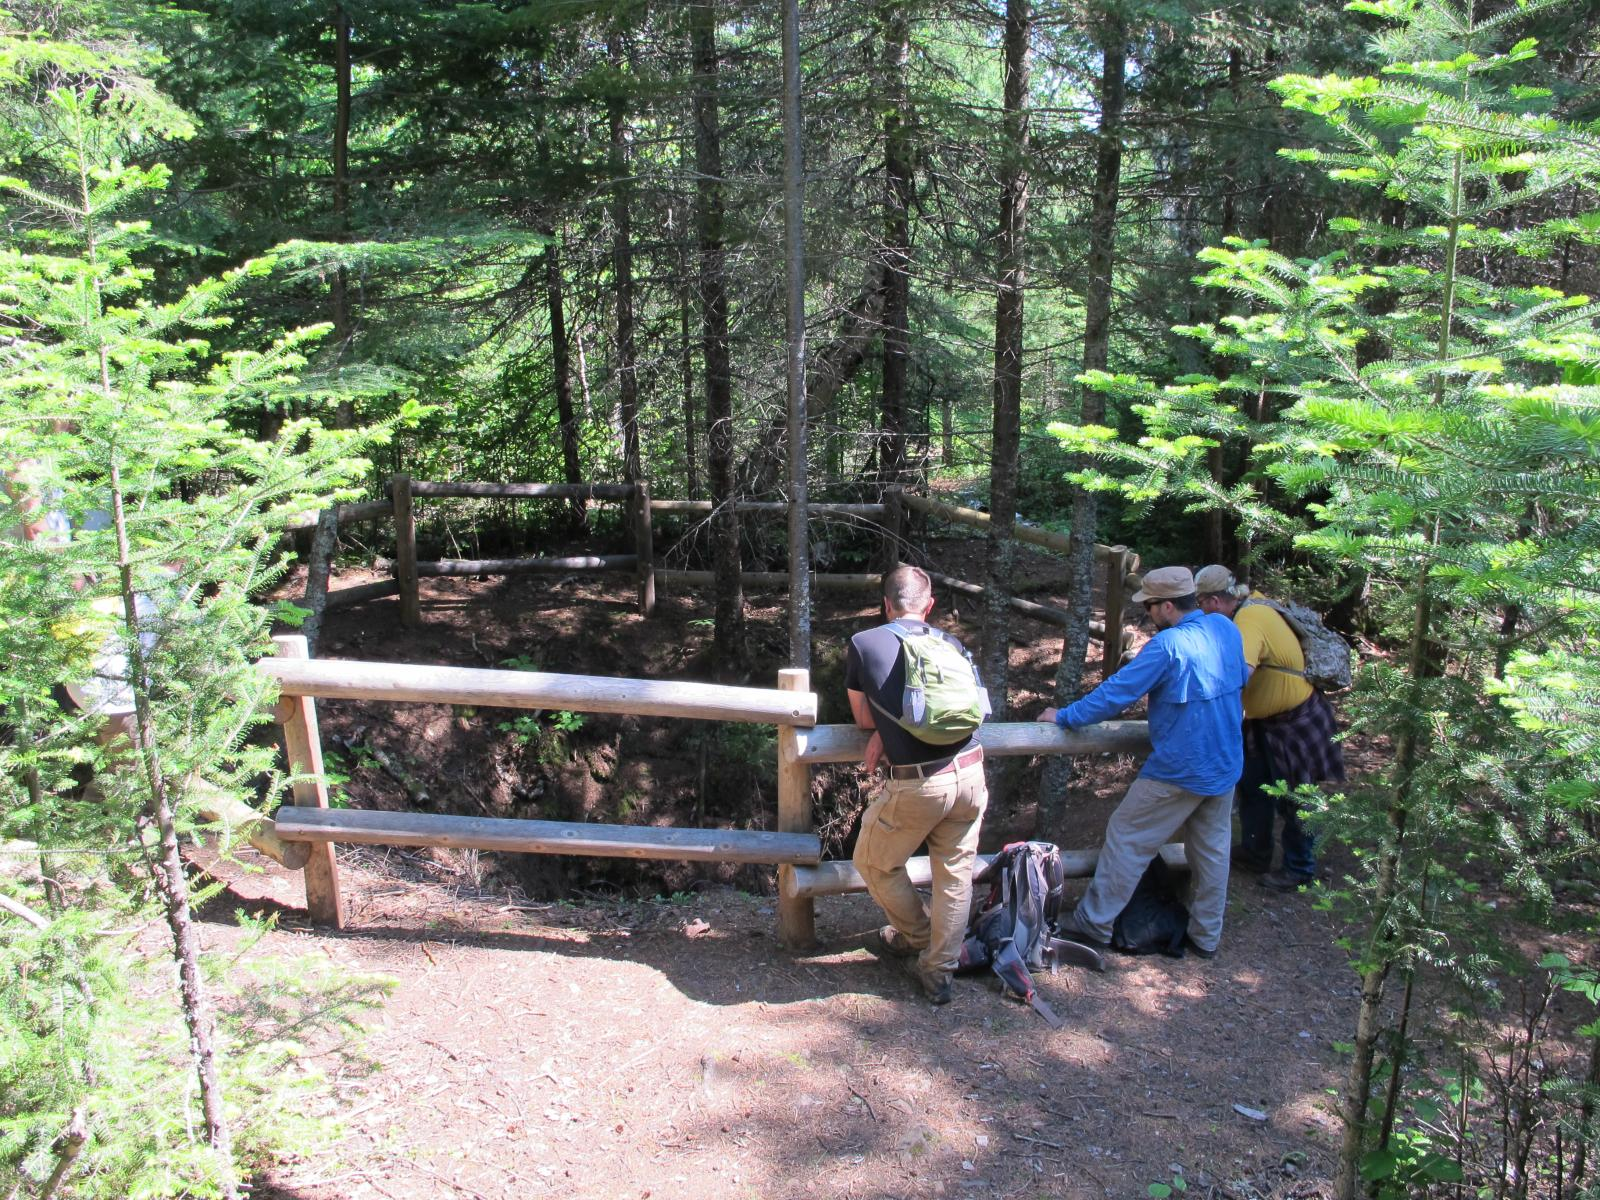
(562, 1028)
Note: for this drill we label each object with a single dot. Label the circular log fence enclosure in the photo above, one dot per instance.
(308, 829)
(1120, 564)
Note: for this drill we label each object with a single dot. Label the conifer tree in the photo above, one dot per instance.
(1441, 432)
(147, 525)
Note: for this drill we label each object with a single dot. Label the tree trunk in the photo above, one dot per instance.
(318, 566)
(560, 345)
(622, 266)
(1386, 939)
(897, 187)
(1069, 682)
(795, 270)
(171, 882)
(1008, 356)
(728, 635)
(345, 413)
(691, 466)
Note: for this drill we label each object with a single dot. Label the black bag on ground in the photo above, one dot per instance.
(1013, 931)
(1154, 920)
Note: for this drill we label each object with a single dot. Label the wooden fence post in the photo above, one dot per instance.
(893, 520)
(1116, 603)
(797, 916)
(303, 747)
(644, 548)
(405, 553)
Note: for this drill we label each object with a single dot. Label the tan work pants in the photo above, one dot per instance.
(945, 811)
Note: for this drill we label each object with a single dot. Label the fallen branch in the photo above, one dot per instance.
(17, 909)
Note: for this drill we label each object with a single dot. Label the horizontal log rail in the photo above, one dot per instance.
(528, 566)
(1028, 608)
(373, 828)
(1058, 542)
(357, 593)
(344, 679)
(527, 491)
(814, 509)
(769, 579)
(840, 877)
(347, 514)
(1004, 739)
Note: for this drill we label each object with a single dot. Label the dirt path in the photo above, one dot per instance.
(673, 1050)
(670, 1049)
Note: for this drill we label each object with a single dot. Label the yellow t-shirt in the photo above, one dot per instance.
(1269, 642)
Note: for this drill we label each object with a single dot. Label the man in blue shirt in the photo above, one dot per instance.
(1194, 673)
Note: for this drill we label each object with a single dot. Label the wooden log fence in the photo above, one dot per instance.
(793, 846)
(1120, 564)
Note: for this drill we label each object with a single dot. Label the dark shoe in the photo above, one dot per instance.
(1250, 864)
(893, 944)
(1070, 928)
(936, 985)
(1198, 950)
(1282, 881)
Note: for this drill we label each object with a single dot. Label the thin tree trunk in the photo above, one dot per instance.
(691, 466)
(345, 413)
(1069, 681)
(171, 883)
(622, 265)
(728, 633)
(67, 1147)
(1385, 938)
(1008, 356)
(560, 345)
(897, 185)
(1219, 545)
(318, 565)
(795, 270)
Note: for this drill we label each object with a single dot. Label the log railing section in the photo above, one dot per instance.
(1120, 564)
(793, 846)
(302, 680)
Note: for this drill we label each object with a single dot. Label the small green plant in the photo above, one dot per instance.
(547, 742)
(520, 662)
(1176, 1186)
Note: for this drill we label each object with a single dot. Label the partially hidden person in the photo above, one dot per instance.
(934, 792)
(1194, 672)
(1289, 733)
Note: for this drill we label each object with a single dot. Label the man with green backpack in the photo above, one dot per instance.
(917, 689)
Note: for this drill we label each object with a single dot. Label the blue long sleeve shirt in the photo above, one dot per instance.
(1194, 673)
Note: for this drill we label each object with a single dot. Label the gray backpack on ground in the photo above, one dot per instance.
(1327, 654)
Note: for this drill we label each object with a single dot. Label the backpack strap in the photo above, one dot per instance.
(1074, 954)
(1277, 608)
(1041, 1006)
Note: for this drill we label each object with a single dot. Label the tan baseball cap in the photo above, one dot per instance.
(1165, 583)
(1208, 581)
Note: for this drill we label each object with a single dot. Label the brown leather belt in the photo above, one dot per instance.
(966, 758)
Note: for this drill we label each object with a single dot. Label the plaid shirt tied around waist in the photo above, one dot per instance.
(1300, 743)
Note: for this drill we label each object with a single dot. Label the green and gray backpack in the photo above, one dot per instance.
(944, 702)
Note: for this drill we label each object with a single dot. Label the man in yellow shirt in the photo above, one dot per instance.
(1289, 732)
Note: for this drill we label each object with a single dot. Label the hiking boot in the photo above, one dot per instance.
(893, 944)
(1198, 950)
(1073, 930)
(1282, 881)
(1250, 864)
(936, 985)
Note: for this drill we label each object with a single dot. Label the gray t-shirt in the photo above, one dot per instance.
(875, 667)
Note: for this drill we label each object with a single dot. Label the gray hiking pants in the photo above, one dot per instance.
(1150, 815)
